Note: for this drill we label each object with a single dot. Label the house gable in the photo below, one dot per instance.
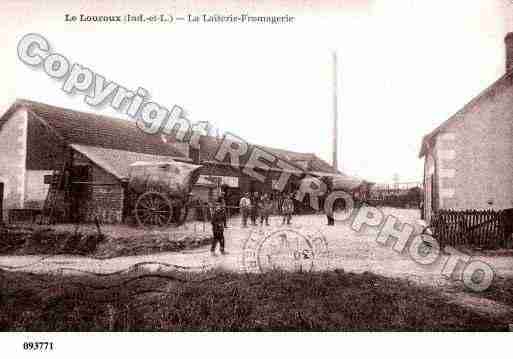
(488, 94)
(473, 152)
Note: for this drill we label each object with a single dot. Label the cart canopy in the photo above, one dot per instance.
(340, 181)
(170, 177)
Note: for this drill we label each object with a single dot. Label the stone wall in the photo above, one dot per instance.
(106, 203)
(105, 198)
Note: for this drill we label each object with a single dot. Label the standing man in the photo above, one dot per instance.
(218, 218)
(245, 208)
(254, 208)
(224, 202)
(329, 188)
(265, 209)
(225, 210)
(287, 208)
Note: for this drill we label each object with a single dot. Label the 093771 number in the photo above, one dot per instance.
(38, 346)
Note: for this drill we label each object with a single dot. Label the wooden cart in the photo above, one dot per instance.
(159, 192)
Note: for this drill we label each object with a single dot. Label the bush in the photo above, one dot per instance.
(12, 239)
(47, 241)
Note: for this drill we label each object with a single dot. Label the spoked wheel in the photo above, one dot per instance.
(181, 216)
(153, 209)
(180, 211)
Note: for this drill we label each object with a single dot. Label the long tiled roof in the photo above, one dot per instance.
(209, 146)
(98, 131)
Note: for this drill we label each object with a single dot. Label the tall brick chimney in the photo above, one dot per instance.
(508, 41)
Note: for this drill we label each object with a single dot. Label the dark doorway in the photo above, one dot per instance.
(1, 203)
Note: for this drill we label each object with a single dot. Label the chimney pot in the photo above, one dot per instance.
(508, 41)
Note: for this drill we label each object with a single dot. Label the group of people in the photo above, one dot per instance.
(251, 206)
(255, 206)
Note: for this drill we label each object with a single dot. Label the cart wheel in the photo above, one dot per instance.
(180, 211)
(181, 215)
(153, 209)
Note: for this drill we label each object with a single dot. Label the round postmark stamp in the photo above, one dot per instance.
(288, 248)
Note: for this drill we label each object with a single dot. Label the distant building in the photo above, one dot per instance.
(96, 151)
(237, 182)
(468, 159)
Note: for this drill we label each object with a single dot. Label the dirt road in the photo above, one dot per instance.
(349, 250)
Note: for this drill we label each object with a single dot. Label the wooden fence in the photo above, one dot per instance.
(476, 228)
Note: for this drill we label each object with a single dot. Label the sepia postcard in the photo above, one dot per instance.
(255, 167)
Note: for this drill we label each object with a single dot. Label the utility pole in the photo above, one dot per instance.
(335, 112)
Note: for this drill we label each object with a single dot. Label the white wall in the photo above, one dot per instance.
(35, 188)
(13, 145)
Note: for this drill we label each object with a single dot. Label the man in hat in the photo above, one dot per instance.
(254, 208)
(218, 218)
(287, 208)
(265, 208)
(245, 208)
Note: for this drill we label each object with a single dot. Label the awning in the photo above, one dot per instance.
(118, 162)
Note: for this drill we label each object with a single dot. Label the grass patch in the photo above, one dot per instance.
(223, 301)
(500, 291)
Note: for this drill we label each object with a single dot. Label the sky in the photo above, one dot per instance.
(404, 66)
